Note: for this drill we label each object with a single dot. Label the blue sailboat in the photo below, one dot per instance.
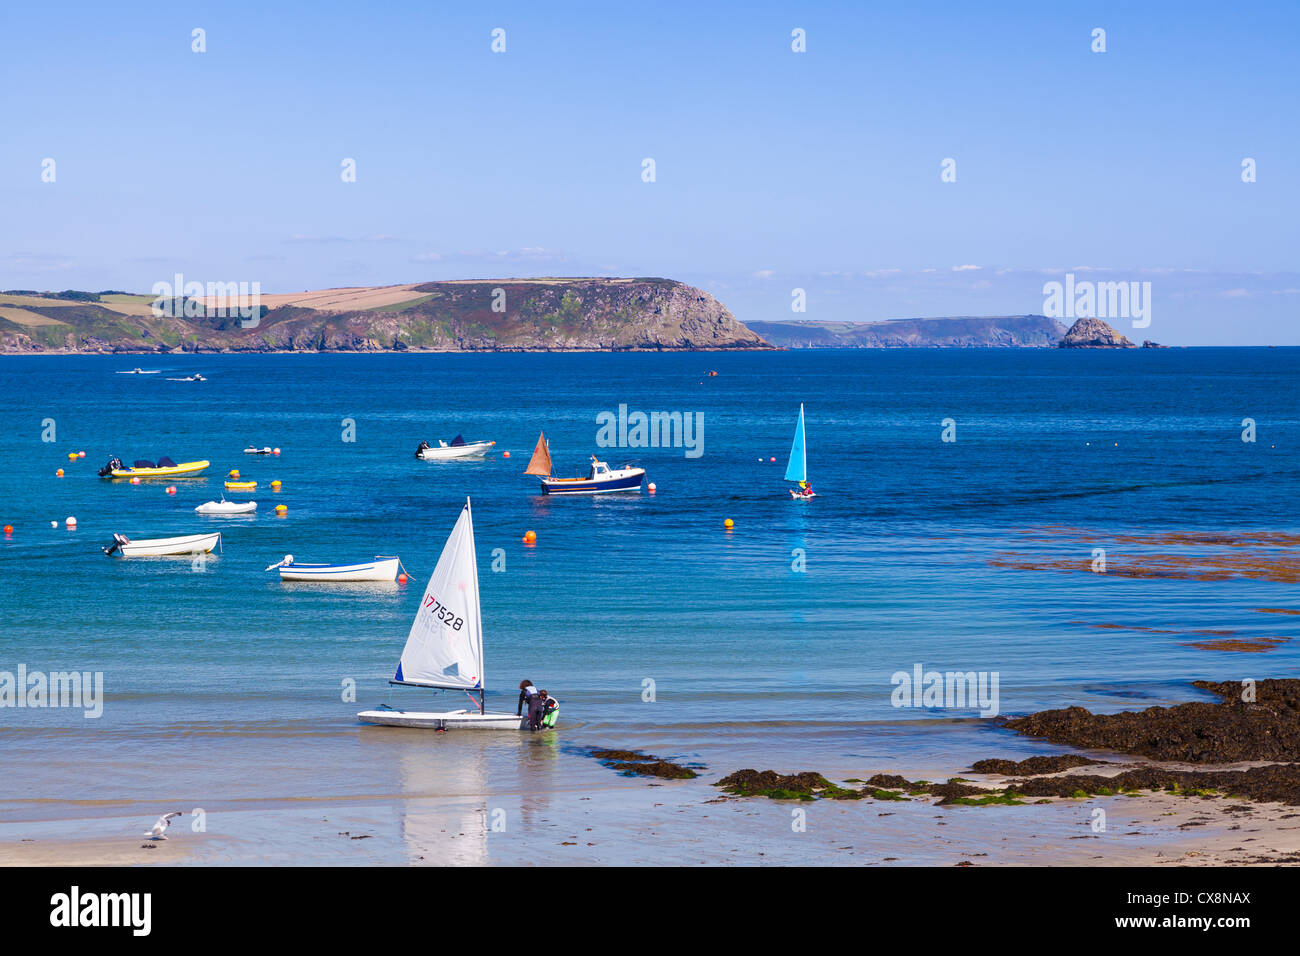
(797, 469)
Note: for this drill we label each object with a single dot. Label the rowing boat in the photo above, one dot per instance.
(383, 568)
(224, 507)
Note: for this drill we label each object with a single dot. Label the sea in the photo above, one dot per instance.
(1090, 528)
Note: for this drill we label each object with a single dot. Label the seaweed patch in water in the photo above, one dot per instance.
(633, 763)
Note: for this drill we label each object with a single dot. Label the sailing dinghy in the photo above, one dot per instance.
(797, 469)
(444, 650)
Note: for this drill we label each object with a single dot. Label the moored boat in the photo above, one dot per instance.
(163, 468)
(241, 486)
(158, 547)
(382, 568)
(599, 478)
(224, 507)
(458, 447)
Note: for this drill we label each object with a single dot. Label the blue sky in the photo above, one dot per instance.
(774, 169)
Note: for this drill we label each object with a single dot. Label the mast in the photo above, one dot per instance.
(478, 603)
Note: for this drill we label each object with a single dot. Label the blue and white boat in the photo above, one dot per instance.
(599, 478)
(383, 568)
(797, 469)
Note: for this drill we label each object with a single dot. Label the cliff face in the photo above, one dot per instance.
(1094, 334)
(460, 316)
(1012, 331)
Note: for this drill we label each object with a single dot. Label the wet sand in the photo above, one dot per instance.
(638, 822)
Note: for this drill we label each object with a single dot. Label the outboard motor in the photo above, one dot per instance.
(118, 541)
(419, 452)
(113, 465)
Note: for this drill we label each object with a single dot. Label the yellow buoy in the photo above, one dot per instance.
(72, 456)
(59, 473)
(275, 485)
(281, 510)
(728, 524)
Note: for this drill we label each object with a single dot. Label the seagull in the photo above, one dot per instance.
(164, 821)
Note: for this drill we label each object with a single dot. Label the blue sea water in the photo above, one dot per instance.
(224, 684)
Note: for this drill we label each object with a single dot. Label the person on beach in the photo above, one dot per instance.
(529, 695)
(550, 709)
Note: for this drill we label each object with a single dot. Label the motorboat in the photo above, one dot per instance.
(458, 447)
(125, 547)
(600, 477)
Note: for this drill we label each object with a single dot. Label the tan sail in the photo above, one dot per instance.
(541, 461)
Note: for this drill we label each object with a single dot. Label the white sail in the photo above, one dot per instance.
(445, 646)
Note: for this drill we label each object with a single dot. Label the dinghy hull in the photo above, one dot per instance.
(161, 547)
(172, 471)
(385, 570)
(446, 720)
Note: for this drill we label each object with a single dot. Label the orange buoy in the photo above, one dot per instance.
(59, 473)
(401, 579)
(728, 524)
(171, 489)
(9, 529)
(275, 451)
(505, 454)
(651, 488)
(530, 537)
(771, 459)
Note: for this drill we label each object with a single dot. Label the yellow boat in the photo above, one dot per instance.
(170, 471)
(241, 485)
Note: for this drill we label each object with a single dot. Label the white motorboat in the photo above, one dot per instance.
(458, 447)
(154, 547)
(258, 451)
(383, 568)
(445, 647)
(224, 507)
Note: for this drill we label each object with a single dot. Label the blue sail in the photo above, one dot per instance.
(797, 470)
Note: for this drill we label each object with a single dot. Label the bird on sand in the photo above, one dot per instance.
(158, 832)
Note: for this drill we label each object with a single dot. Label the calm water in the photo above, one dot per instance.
(225, 685)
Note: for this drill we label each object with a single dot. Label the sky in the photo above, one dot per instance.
(774, 170)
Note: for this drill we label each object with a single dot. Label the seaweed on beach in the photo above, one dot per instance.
(808, 785)
(1267, 728)
(1276, 783)
(1033, 765)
